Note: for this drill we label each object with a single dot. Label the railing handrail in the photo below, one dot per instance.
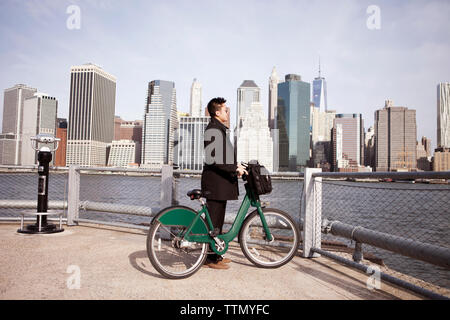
(359, 175)
(437, 255)
(381, 175)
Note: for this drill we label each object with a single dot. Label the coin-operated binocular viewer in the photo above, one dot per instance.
(44, 144)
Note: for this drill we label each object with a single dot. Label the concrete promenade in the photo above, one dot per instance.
(113, 264)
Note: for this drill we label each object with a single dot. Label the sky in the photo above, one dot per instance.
(222, 43)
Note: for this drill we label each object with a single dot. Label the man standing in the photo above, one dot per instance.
(220, 172)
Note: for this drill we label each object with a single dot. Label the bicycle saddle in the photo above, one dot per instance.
(195, 194)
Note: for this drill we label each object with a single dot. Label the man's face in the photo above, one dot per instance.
(222, 113)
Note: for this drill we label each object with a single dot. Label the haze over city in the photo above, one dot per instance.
(222, 44)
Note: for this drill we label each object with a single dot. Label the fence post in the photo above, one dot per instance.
(166, 186)
(311, 213)
(175, 181)
(73, 197)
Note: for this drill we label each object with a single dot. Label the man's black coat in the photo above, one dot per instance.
(219, 176)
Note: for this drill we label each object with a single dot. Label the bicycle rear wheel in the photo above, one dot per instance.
(264, 253)
(171, 256)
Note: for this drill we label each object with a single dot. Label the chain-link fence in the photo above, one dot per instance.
(414, 211)
(135, 192)
(19, 191)
(98, 189)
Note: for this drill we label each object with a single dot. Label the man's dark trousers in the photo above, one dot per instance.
(216, 209)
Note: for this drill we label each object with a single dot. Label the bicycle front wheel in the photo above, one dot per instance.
(169, 254)
(264, 253)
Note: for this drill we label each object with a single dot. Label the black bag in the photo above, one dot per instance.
(259, 178)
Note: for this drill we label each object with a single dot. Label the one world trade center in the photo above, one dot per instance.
(320, 92)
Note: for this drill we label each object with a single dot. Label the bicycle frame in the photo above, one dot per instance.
(249, 200)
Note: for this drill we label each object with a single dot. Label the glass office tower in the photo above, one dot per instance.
(160, 123)
(320, 93)
(293, 119)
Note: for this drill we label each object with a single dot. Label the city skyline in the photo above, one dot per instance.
(402, 61)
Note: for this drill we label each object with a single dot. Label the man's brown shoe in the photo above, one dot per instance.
(216, 265)
(225, 260)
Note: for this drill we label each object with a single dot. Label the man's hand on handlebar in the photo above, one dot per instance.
(241, 170)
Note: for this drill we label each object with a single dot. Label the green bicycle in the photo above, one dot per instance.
(179, 237)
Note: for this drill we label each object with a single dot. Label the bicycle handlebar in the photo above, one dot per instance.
(245, 165)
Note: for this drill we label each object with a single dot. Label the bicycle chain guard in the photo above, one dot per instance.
(219, 246)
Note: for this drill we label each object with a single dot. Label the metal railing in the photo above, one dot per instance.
(400, 228)
(344, 216)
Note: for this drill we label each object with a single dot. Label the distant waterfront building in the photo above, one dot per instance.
(254, 141)
(321, 124)
(189, 147)
(293, 123)
(117, 122)
(441, 159)
(396, 136)
(61, 133)
(320, 92)
(273, 98)
(196, 99)
(348, 142)
(91, 115)
(39, 117)
(247, 93)
(13, 111)
(423, 154)
(272, 114)
(369, 148)
(443, 115)
(160, 123)
(427, 146)
(129, 130)
(123, 153)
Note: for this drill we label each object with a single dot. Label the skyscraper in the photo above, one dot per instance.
(441, 159)
(443, 115)
(91, 115)
(39, 117)
(273, 98)
(247, 93)
(423, 154)
(254, 141)
(160, 123)
(369, 147)
(348, 142)
(293, 123)
(13, 110)
(396, 136)
(61, 133)
(322, 124)
(189, 142)
(196, 99)
(127, 130)
(320, 92)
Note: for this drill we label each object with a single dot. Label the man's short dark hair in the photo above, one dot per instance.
(214, 105)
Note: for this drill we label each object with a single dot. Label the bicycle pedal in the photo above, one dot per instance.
(214, 233)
